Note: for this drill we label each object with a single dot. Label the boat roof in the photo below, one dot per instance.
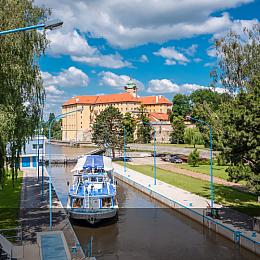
(93, 162)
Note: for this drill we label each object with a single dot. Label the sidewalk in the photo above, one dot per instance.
(34, 213)
(231, 218)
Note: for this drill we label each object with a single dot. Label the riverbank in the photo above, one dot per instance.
(231, 225)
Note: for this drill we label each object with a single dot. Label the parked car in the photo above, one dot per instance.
(172, 158)
(159, 154)
(121, 158)
(175, 159)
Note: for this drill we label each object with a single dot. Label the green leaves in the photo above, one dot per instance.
(108, 130)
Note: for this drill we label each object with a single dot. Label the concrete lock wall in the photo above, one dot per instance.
(208, 222)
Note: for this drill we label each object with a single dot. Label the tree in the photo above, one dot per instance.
(178, 126)
(108, 130)
(211, 97)
(193, 136)
(194, 158)
(21, 90)
(239, 72)
(130, 125)
(181, 105)
(56, 127)
(144, 128)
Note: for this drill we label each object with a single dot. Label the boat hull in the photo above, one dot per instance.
(93, 217)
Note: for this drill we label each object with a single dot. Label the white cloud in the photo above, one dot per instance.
(160, 86)
(212, 52)
(113, 61)
(117, 81)
(130, 23)
(143, 58)
(71, 77)
(53, 90)
(170, 62)
(172, 55)
(75, 45)
(191, 50)
(70, 43)
(238, 27)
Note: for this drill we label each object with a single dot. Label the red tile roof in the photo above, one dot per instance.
(158, 117)
(117, 98)
(152, 100)
(102, 99)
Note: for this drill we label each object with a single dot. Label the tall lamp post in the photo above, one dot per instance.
(50, 177)
(211, 159)
(154, 150)
(51, 25)
(124, 151)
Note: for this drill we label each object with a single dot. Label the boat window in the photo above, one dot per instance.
(93, 179)
(106, 202)
(100, 179)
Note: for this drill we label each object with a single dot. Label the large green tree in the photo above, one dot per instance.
(178, 126)
(108, 130)
(181, 105)
(21, 89)
(143, 126)
(239, 72)
(193, 136)
(130, 125)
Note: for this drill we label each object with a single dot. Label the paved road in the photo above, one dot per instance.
(169, 149)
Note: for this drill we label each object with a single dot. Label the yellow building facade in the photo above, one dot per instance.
(78, 126)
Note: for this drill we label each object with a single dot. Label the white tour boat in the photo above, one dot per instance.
(92, 195)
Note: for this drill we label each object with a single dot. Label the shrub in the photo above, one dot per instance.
(194, 158)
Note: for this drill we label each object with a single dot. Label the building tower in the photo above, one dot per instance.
(131, 88)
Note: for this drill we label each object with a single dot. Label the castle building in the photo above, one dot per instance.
(77, 126)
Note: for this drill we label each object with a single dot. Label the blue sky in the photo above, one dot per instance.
(165, 46)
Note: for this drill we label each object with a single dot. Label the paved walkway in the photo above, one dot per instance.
(170, 149)
(231, 218)
(173, 168)
(34, 213)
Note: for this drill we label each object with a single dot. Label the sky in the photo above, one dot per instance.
(165, 46)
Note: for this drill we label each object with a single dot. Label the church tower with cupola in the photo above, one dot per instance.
(131, 88)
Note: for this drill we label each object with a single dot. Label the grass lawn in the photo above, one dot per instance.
(242, 201)
(10, 203)
(218, 171)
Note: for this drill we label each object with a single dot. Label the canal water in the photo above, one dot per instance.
(146, 229)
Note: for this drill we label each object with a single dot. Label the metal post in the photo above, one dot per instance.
(211, 170)
(154, 155)
(50, 178)
(43, 149)
(124, 150)
(211, 160)
(38, 156)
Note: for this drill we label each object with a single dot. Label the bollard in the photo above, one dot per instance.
(254, 234)
(190, 204)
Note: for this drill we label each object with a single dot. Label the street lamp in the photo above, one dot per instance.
(211, 159)
(50, 177)
(154, 150)
(51, 25)
(124, 150)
